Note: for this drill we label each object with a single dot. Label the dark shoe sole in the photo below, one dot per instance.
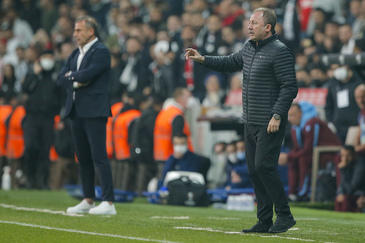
(283, 230)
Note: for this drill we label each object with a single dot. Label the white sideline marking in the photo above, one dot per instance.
(306, 219)
(165, 217)
(83, 232)
(228, 232)
(224, 218)
(41, 210)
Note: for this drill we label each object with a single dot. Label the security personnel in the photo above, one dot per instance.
(171, 121)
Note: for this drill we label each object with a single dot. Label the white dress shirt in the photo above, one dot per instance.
(83, 51)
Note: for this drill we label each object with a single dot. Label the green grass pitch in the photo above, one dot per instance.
(24, 218)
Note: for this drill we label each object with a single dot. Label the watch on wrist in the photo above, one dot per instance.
(277, 116)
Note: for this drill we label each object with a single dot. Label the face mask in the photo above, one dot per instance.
(180, 148)
(241, 155)
(47, 64)
(232, 158)
(340, 73)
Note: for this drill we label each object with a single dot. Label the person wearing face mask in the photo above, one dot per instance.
(341, 108)
(238, 176)
(170, 121)
(182, 159)
(42, 104)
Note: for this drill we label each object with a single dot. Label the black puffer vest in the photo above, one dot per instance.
(269, 82)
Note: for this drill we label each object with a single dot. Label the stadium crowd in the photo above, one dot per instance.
(149, 75)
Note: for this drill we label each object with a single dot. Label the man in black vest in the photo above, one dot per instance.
(269, 87)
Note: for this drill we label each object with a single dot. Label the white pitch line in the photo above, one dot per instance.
(224, 218)
(41, 210)
(228, 232)
(83, 232)
(165, 217)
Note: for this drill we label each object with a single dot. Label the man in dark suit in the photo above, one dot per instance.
(86, 77)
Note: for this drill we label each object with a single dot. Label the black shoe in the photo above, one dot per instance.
(282, 224)
(259, 227)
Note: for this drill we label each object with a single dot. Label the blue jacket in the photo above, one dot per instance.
(189, 162)
(92, 100)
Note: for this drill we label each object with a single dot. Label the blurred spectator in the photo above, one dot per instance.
(142, 149)
(332, 10)
(7, 88)
(359, 142)
(341, 109)
(62, 30)
(354, 12)
(99, 9)
(188, 73)
(360, 202)
(135, 75)
(234, 96)
(116, 88)
(31, 13)
(318, 19)
(290, 25)
(162, 69)
(118, 34)
(301, 61)
(124, 124)
(345, 36)
(307, 132)
(174, 28)
(49, 14)
(42, 40)
(238, 176)
(215, 97)
(230, 11)
(21, 29)
(182, 159)
(42, 104)
(64, 10)
(359, 47)
(229, 42)
(319, 78)
(352, 169)
(65, 169)
(217, 175)
(358, 27)
(8, 44)
(171, 121)
(21, 68)
(212, 40)
(303, 78)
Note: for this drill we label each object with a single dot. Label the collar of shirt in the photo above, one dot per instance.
(86, 47)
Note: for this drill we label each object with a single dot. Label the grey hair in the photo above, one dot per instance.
(90, 22)
(269, 17)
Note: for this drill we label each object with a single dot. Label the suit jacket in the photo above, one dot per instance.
(92, 100)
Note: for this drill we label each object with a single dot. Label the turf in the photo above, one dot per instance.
(141, 221)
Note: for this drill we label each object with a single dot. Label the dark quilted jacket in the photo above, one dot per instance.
(269, 82)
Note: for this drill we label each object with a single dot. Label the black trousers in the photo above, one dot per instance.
(262, 153)
(38, 138)
(90, 144)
